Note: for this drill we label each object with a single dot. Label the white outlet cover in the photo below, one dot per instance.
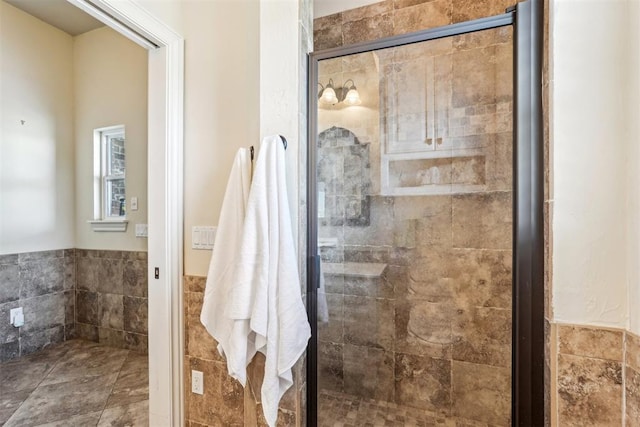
(197, 382)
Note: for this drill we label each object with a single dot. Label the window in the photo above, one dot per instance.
(109, 179)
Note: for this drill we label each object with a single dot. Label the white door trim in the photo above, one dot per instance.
(165, 194)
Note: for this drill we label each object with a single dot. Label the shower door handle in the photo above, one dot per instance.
(316, 266)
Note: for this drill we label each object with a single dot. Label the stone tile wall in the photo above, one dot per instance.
(43, 283)
(224, 401)
(111, 298)
(435, 329)
(596, 376)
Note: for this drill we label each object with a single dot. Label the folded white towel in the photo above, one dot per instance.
(225, 251)
(267, 290)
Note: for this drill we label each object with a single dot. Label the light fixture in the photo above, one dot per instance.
(331, 95)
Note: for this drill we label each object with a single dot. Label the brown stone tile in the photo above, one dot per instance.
(632, 395)
(135, 278)
(86, 332)
(135, 314)
(56, 402)
(199, 342)
(423, 16)
(423, 327)
(482, 278)
(433, 215)
(368, 372)
(100, 274)
(466, 10)
(41, 276)
(369, 28)
(85, 362)
(632, 346)
(333, 330)
(133, 414)
(590, 342)
(132, 384)
(9, 402)
(327, 32)
(10, 279)
(136, 342)
(330, 366)
(370, 322)
(194, 283)
(223, 400)
(401, 4)
(482, 221)
(423, 382)
(483, 335)
(431, 276)
(111, 311)
(368, 11)
(111, 337)
(88, 307)
(481, 393)
(589, 391)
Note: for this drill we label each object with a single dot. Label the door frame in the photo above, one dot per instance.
(165, 197)
(528, 336)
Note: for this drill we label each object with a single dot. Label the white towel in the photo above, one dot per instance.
(225, 250)
(267, 290)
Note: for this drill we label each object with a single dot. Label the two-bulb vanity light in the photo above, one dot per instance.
(347, 93)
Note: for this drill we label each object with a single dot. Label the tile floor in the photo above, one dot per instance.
(345, 410)
(76, 383)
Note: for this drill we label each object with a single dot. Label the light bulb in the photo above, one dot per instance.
(329, 96)
(353, 97)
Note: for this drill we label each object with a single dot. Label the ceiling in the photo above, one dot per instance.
(60, 14)
(329, 7)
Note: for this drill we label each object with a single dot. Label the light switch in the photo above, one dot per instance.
(134, 203)
(142, 230)
(203, 237)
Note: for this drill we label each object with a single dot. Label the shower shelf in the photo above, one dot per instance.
(370, 270)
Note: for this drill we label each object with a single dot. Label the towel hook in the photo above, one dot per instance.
(251, 151)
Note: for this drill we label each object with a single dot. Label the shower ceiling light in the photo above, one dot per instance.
(347, 93)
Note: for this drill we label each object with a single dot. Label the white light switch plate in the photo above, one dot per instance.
(203, 237)
(142, 230)
(134, 203)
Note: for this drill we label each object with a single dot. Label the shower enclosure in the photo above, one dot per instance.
(425, 214)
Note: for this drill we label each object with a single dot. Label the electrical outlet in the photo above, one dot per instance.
(16, 317)
(197, 382)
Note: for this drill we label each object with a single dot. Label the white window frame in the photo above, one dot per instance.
(101, 177)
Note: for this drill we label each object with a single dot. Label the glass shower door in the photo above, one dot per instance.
(415, 234)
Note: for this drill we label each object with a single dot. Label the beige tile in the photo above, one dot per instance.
(481, 393)
(483, 335)
(330, 366)
(423, 327)
(589, 391)
(466, 10)
(590, 342)
(368, 11)
(194, 283)
(132, 384)
(87, 362)
(370, 322)
(632, 396)
(483, 221)
(368, 28)
(333, 330)
(632, 344)
(423, 382)
(368, 372)
(422, 16)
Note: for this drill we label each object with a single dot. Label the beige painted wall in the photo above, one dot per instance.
(36, 158)
(595, 134)
(222, 90)
(633, 118)
(110, 80)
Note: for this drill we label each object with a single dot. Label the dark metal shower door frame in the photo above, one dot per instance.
(528, 407)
